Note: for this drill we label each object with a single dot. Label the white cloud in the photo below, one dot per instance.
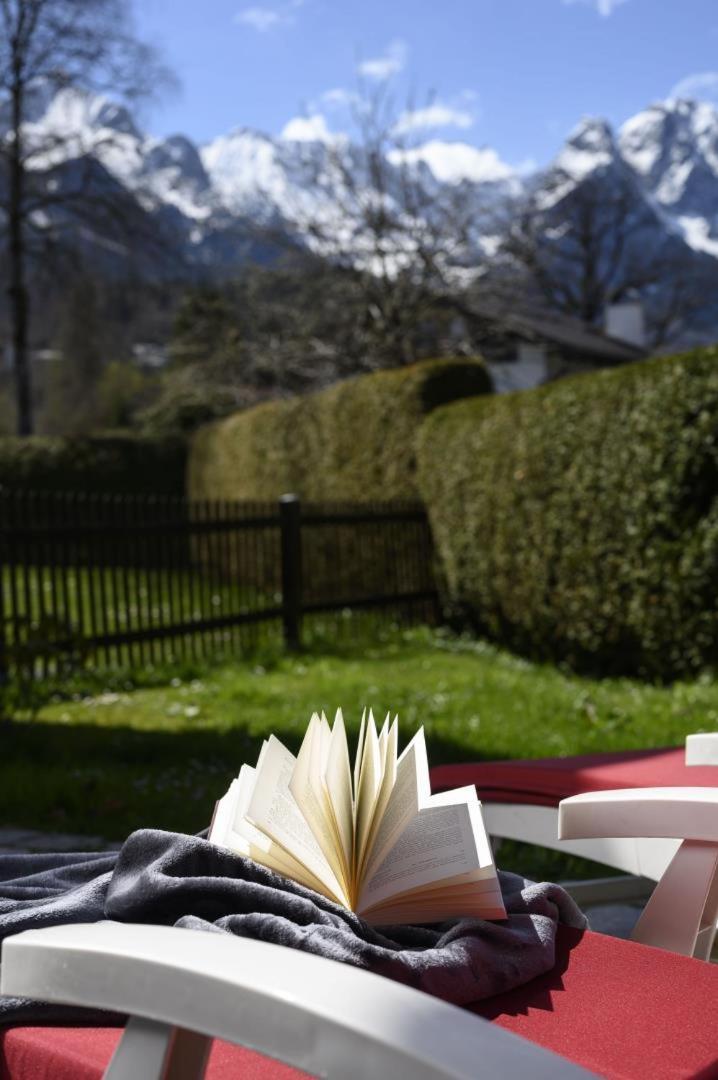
(433, 116)
(259, 18)
(603, 7)
(453, 162)
(264, 19)
(311, 128)
(338, 97)
(703, 86)
(383, 67)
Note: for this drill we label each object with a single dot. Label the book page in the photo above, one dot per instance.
(308, 789)
(388, 743)
(409, 790)
(320, 750)
(274, 810)
(359, 753)
(369, 783)
(231, 831)
(223, 818)
(383, 735)
(244, 838)
(389, 754)
(338, 787)
(474, 895)
(445, 839)
(474, 906)
(477, 883)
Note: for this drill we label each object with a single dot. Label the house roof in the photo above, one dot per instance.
(563, 331)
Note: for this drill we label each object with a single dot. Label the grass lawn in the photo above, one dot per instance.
(119, 758)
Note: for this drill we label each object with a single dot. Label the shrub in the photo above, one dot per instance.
(579, 521)
(353, 442)
(115, 464)
(120, 390)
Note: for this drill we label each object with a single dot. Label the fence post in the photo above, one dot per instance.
(290, 521)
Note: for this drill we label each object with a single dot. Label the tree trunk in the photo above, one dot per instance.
(17, 290)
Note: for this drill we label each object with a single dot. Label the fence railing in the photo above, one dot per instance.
(115, 581)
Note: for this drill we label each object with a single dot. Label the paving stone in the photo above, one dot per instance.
(617, 920)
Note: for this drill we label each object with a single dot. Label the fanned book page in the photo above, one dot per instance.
(372, 838)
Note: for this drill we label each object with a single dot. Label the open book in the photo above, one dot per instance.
(374, 840)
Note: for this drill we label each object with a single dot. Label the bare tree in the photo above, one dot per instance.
(47, 46)
(579, 248)
(378, 212)
(683, 297)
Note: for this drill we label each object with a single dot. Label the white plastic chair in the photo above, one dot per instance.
(184, 987)
(702, 749)
(682, 911)
(644, 857)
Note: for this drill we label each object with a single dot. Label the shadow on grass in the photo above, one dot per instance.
(107, 781)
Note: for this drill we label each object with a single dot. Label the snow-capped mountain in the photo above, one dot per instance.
(673, 148)
(593, 186)
(244, 174)
(260, 177)
(77, 125)
(215, 201)
(643, 202)
(590, 147)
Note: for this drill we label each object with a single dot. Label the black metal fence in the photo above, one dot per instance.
(116, 581)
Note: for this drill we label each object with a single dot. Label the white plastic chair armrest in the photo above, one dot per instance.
(683, 813)
(682, 911)
(316, 1014)
(702, 749)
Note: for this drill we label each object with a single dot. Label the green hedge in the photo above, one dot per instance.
(353, 442)
(116, 464)
(579, 522)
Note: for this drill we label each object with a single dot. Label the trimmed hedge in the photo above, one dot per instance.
(353, 442)
(115, 464)
(579, 522)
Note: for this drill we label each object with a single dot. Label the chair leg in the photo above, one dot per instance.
(154, 1051)
(707, 932)
(679, 913)
(187, 1059)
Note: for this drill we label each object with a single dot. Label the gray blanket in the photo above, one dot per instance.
(169, 879)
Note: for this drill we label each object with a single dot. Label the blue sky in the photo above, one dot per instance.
(515, 75)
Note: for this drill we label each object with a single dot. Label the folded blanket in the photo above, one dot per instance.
(173, 880)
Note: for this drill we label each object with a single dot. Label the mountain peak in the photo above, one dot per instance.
(73, 111)
(594, 136)
(590, 146)
(674, 128)
(698, 113)
(672, 147)
(592, 133)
